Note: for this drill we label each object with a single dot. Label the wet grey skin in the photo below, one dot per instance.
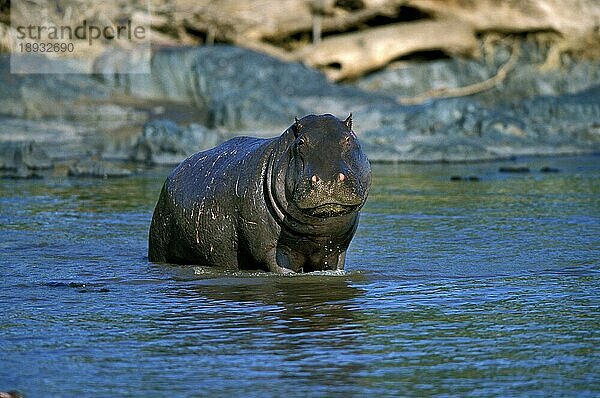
(286, 204)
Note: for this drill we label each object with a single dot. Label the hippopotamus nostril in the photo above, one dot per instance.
(341, 177)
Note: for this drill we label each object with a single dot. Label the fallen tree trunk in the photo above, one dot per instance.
(450, 26)
(351, 55)
(358, 35)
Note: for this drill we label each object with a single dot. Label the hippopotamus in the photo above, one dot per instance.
(287, 204)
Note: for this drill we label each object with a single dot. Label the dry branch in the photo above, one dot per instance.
(469, 89)
(351, 55)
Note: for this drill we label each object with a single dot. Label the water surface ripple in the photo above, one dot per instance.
(452, 288)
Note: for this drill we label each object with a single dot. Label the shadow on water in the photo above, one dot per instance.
(317, 301)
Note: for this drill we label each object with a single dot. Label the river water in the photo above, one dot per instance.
(452, 288)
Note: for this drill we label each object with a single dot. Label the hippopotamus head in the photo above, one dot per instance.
(328, 174)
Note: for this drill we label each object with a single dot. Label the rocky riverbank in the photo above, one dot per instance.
(197, 97)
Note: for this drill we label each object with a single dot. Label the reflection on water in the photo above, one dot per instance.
(486, 288)
(285, 328)
(277, 304)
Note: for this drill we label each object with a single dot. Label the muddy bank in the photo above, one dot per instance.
(197, 97)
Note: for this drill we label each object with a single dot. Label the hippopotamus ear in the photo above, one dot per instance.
(348, 121)
(296, 127)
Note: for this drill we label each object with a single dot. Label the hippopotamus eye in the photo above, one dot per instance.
(346, 140)
(302, 140)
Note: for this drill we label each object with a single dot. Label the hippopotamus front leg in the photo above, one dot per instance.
(287, 261)
(332, 260)
(341, 260)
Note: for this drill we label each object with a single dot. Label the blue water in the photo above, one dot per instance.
(452, 288)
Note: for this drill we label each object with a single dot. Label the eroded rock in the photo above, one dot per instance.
(165, 142)
(23, 155)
